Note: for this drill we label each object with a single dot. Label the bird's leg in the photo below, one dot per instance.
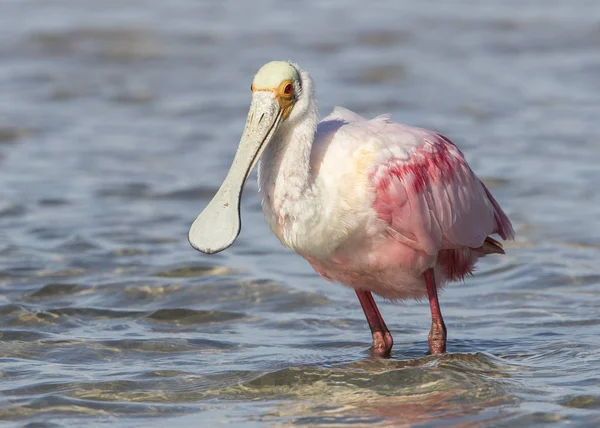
(382, 339)
(437, 335)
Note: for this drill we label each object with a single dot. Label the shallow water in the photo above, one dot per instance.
(118, 120)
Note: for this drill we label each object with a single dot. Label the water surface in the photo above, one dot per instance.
(118, 120)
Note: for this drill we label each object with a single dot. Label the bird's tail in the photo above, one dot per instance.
(491, 246)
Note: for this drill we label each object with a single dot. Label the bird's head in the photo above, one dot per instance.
(278, 99)
(276, 87)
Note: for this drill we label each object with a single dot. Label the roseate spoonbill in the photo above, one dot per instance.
(378, 206)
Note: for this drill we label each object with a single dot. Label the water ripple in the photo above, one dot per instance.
(117, 126)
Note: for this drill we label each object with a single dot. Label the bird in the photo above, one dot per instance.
(378, 206)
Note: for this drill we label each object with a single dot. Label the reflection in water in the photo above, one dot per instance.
(118, 124)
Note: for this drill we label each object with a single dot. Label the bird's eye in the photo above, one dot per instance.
(252, 87)
(288, 89)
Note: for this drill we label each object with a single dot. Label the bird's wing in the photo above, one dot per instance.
(343, 114)
(429, 196)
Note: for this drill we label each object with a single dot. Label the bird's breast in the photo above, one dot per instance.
(300, 224)
(320, 220)
(316, 214)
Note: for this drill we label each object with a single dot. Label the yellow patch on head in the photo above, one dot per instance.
(279, 77)
(273, 73)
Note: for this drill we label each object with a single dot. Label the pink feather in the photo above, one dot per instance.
(433, 212)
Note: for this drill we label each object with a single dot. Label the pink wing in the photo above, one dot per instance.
(432, 200)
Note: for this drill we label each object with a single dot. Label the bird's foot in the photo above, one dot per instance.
(382, 344)
(437, 339)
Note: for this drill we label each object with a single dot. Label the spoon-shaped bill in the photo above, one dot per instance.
(219, 224)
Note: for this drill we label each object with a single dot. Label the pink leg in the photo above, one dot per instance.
(437, 335)
(382, 339)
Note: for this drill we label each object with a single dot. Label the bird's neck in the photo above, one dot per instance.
(284, 170)
(290, 197)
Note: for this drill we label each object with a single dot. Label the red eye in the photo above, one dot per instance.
(288, 89)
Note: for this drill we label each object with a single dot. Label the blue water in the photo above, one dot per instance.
(118, 121)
